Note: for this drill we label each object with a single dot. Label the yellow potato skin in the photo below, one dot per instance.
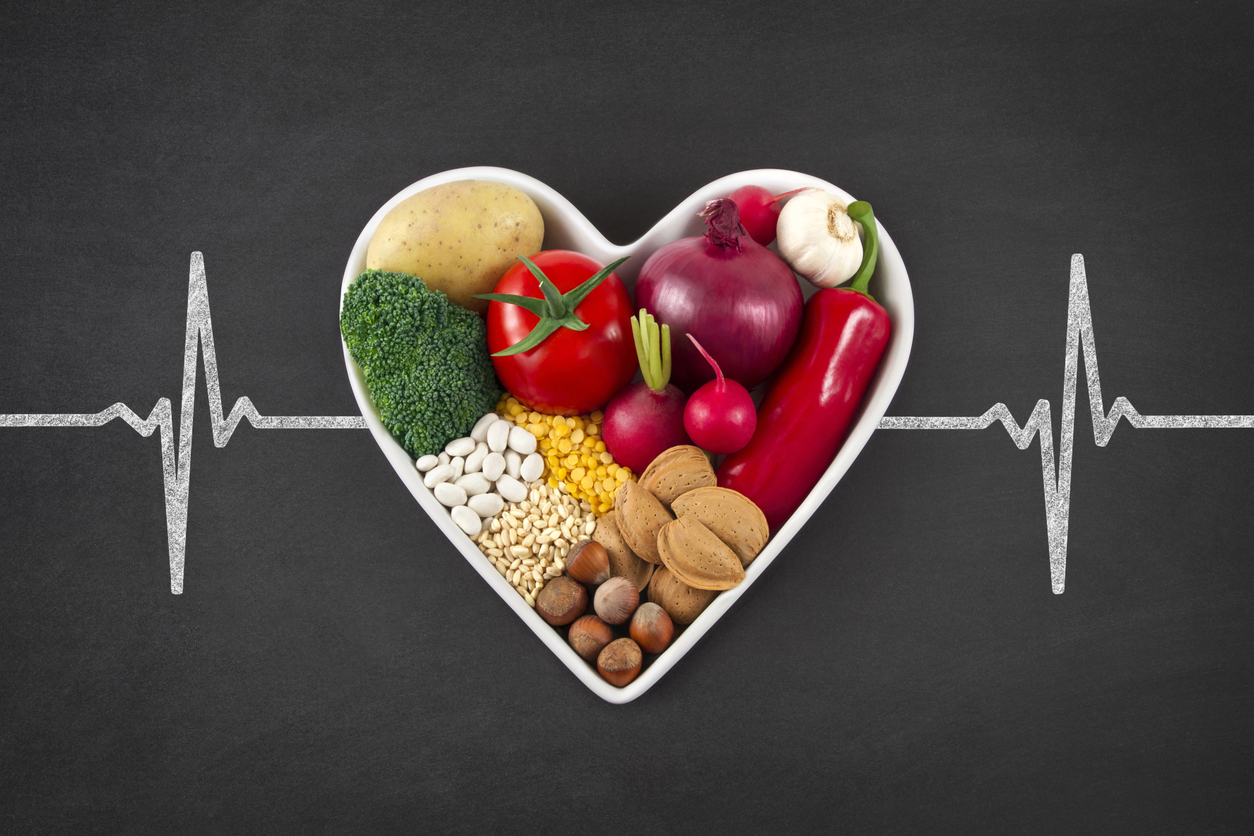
(458, 237)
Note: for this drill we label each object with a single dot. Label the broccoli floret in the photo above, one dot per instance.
(425, 359)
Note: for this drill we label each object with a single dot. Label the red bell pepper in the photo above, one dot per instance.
(811, 401)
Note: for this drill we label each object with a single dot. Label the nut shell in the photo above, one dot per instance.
(697, 557)
(681, 602)
(623, 561)
(676, 471)
(620, 661)
(640, 518)
(732, 516)
(616, 600)
(588, 563)
(562, 601)
(589, 635)
(651, 628)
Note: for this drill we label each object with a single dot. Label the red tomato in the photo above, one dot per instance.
(571, 372)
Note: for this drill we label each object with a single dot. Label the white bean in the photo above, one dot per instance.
(474, 462)
(498, 436)
(513, 463)
(493, 466)
(522, 440)
(511, 489)
(449, 494)
(532, 468)
(486, 505)
(460, 446)
(467, 520)
(426, 463)
(474, 484)
(480, 431)
(438, 474)
(459, 465)
(444, 458)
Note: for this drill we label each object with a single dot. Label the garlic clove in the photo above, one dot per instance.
(818, 239)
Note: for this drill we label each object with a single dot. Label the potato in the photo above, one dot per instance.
(458, 237)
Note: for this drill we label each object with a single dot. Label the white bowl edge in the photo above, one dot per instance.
(567, 228)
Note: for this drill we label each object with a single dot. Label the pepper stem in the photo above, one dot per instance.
(861, 212)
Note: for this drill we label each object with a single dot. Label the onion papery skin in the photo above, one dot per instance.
(744, 306)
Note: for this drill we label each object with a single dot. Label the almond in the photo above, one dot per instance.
(624, 563)
(676, 471)
(732, 516)
(697, 557)
(681, 602)
(640, 518)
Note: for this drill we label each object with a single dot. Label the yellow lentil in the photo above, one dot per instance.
(575, 457)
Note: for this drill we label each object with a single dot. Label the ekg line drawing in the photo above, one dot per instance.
(1055, 473)
(178, 472)
(1057, 477)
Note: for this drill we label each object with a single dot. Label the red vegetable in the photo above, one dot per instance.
(810, 404)
(719, 416)
(759, 211)
(645, 418)
(736, 296)
(559, 332)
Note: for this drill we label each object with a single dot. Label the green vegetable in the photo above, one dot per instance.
(425, 359)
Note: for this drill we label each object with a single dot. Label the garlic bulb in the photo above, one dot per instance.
(818, 239)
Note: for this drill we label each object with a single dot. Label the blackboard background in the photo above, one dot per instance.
(334, 666)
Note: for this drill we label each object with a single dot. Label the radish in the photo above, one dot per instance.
(645, 418)
(719, 416)
(759, 211)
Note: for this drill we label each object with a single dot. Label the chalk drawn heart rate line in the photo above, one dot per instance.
(1055, 473)
(1057, 476)
(177, 472)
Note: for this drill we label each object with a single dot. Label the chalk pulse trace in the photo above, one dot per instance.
(1055, 473)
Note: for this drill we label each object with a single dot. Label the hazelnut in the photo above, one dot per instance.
(588, 563)
(620, 661)
(589, 635)
(616, 600)
(651, 628)
(561, 601)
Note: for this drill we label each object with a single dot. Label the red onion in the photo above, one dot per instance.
(734, 295)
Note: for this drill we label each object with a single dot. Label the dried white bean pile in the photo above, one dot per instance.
(481, 472)
(529, 540)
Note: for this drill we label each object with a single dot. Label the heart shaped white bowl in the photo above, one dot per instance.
(566, 228)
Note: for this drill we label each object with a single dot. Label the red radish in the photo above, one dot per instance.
(759, 211)
(719, 416)
(647, 417)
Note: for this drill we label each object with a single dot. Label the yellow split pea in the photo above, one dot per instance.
(575, 456)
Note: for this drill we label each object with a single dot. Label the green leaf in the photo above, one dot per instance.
(543, 329)
(557, 308)
(536, 306)
(572, 298)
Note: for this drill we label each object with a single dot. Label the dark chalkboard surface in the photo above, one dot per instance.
(334, 665)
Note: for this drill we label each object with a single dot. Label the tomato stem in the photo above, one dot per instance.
(555, 310)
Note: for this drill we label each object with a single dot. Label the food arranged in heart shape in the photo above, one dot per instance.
(581, 497)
